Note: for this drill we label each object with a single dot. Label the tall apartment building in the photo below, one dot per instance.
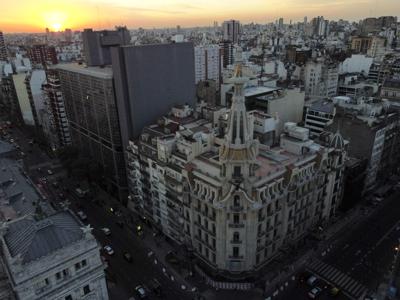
(97, 44)
(149, 80)
(54, 117)
(33, 84)
(321, 79)
(227, 52)
(3, 49)
(234, 202)
(92, 113)
(207, 63)
(53, 258)
(42, 54)
(231, 30)
(374, 132)
(377, 49)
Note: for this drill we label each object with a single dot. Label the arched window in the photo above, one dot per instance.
(236, 201)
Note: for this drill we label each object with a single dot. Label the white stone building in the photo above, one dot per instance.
(53, 258)
(321, 79)
(207, 63)
(233, 201)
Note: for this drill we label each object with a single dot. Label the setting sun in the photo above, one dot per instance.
(55, 20)
(56, 26)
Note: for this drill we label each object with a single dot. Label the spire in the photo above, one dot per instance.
(239, 130)
(239, 143)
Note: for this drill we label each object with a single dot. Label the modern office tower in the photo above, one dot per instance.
(91, 109)
(149, 80)
(227, 48)
(54, 118)
(3, 49)
(233, 201)
(231, 31)
(305, 20)
(321, 78)
(53, 258)
(207, 63)
(97, 44)
(42, 54)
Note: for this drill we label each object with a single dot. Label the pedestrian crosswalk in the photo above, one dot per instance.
(338, 278)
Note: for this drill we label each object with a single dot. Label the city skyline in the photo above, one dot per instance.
(79, 14)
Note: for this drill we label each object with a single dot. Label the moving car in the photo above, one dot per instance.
(106, 231)
(108, 250)
(141, 291)
(314, 293)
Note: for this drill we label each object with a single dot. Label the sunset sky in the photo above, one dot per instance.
(34, 16)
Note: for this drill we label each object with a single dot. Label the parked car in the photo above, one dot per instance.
(312, 280)
(108, 250)
(106, 231)
(314, 293)
(141, 292)
(82, 215)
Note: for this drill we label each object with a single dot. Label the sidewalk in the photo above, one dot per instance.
(282, 281)
(157, 246)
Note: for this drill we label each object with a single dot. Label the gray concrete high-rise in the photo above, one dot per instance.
(231, 30)
(3, 50)
(149, 80)
(93, 120)
(97, 44)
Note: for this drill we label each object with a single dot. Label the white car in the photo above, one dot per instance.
(314, 293)
(50, 172)
(82, 215)
(108, 250)
(106, 231)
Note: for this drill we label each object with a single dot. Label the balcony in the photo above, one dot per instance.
(237, 242)
(236, 208)
(232, 225)
(236, 257)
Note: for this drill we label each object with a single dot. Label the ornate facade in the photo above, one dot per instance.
(232, 200)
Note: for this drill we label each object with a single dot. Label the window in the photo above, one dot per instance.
(235, 251)
(86, 289)
(84, 263)
(69, 297)
(236, 171)
(236, 219)
(236, 236)
(58, 275)
(236, 201)
(65, 272)
(77, 266)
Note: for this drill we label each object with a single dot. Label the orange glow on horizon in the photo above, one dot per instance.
(35, 16)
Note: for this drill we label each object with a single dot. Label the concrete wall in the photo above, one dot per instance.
(356, 64)
(149, 80)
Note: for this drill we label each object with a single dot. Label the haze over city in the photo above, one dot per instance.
(33, 16)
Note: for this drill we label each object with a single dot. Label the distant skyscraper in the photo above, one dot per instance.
(227, 53)
(68, 35)
(231, 30)
(97, 44)
(305, 20)
(280, 24)
(3, 50)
